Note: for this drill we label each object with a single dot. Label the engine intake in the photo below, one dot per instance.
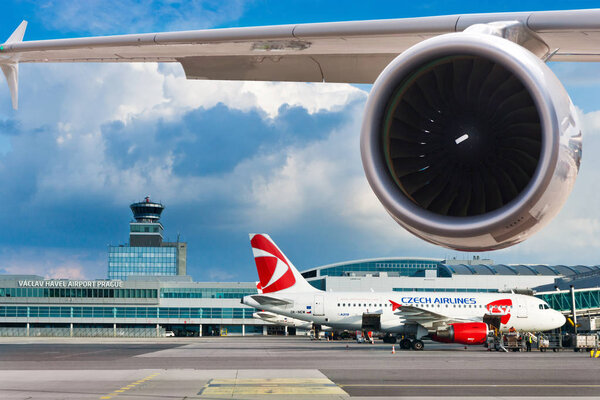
(470, 141)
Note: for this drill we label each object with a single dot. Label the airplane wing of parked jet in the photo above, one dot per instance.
(428, 319)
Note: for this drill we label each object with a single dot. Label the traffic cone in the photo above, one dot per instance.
(393, 349)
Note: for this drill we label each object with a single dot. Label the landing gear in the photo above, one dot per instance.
(405, 344)
(389, 339)
(418, 345)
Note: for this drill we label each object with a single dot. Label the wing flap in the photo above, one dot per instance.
(363, 68)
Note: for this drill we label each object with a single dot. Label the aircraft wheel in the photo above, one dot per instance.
(418, 345)
(405, 344)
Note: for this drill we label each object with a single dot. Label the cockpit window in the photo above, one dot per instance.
(544, 306)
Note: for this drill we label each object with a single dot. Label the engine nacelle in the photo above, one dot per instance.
(463, 333)
(470, 141)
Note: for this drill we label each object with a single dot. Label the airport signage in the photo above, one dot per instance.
(63, 283)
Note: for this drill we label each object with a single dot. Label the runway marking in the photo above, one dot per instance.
(277, 386)
(130, 386)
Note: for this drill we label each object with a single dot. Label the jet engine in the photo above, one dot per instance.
(463, 333)
(470, 141)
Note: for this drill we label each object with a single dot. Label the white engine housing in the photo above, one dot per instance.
(470, 141)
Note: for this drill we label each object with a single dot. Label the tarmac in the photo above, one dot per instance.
(282, 367)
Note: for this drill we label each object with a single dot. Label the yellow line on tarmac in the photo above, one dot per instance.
(130, 386)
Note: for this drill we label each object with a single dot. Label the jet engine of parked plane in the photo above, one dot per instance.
(463, 333)
(470, 141)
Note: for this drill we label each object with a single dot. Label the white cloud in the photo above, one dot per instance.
(52, 263)
(316, 184)
(590, 122)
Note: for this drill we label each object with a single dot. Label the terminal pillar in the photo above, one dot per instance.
(28, 329)
(200, 330)
(157, 330)
(573, 308)
(71, 329)
(114, 330)
(243, 330)
(264, 330)
(286, 330)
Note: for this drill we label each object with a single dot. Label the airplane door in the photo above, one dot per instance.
(318, 308)
(521, 308)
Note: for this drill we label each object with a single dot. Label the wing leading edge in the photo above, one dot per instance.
(351, 52)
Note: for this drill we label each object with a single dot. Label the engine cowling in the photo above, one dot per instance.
(470, 141)
(463, 333)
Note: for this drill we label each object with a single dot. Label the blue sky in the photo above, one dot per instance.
(226, 158)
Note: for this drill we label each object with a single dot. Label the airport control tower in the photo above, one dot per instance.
(146, 254)
(146, 230)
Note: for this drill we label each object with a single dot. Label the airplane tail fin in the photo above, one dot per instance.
(10, 67)
(275, 271)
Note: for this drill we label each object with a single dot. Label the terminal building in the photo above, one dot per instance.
(147, 293)
(152, 305)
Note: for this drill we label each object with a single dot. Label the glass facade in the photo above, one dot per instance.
(205, 293)
(124, 261)
(405, 267)
(125, 312)
(561, 301)
(80, 293)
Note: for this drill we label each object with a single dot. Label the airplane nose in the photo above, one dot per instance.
(560, 319)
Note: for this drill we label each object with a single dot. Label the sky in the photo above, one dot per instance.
(225, 158)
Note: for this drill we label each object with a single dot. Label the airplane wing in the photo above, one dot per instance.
(352, 52)
(428, 319)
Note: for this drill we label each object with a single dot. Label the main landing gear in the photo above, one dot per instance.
(416, 344)
(389, 339)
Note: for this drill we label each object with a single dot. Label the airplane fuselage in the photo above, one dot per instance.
(347, 310)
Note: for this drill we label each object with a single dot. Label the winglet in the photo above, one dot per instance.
(11, 68)
(17, 35)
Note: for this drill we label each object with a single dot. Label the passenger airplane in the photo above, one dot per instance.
(468, 139)
(449, 317)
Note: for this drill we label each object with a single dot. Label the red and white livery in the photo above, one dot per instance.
(465, 318)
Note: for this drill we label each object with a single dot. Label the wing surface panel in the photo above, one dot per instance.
(354, 52)
(428, 319)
